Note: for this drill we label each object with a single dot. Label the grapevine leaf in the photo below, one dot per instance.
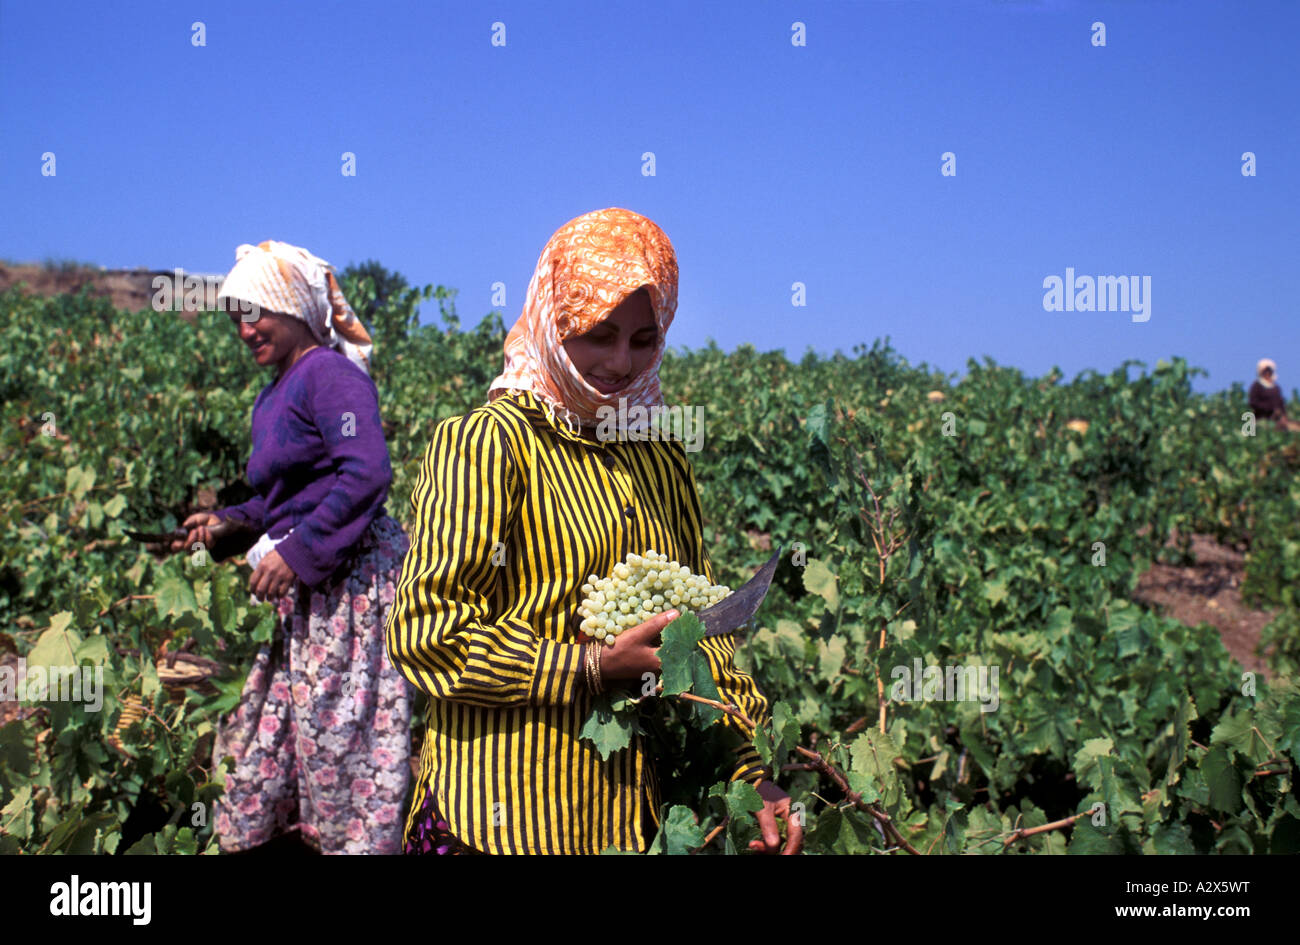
(15, 755)
(776, 739)
(609, 730)
(995, 592)
(1173, 839)
(150, 686)
(1087, 761)
(145, 846)
(702, 685)
(1087, 839)
(1237, 732)
(873, 754)
(831, 657)
(1183, 717)
(1223, 781)
(681, 833)
(857, 834)
(57, 646)
(174, 596)
(679, 652)
(742, 798)
(1290, 740)
(818, 579)
(16, 817)
(95, 649)
(982, 830)
(228, 695)
(863, 785)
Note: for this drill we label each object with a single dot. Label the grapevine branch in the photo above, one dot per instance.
(886, 541)
(126, 599)
(713, 834)
(820, 765)
(31, 503)
(886, 822)
(722, 707)
(1022, 832)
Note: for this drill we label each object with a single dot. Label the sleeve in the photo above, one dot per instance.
(1256, 399)
(734, 687)
(442, 634)
(346, 412)
(251, 513)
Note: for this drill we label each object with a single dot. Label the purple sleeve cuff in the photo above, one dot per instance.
(252, 513)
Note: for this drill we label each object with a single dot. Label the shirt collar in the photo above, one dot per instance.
(552, 418)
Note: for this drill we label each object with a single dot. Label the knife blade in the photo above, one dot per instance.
(156, 537)
(739, 607)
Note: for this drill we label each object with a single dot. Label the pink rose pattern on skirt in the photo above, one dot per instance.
(321, 738)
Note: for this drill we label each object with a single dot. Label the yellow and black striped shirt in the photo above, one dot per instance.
(512, 512)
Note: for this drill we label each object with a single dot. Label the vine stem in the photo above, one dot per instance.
(729, 709)
(822, 766)
(1023, 832)
(62, 495)
(127, 598)
(713, 834)
(1265, 741)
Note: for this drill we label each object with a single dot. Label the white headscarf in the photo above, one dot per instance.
(280, 277)
(1259, 369)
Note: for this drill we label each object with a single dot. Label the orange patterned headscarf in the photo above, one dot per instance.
(284, 278)
(588, 267)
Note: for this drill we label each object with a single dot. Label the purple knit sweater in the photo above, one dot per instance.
(319, 462)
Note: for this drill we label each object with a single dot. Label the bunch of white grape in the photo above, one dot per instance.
(640, 587)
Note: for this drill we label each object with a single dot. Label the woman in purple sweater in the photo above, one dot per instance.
(321, 738)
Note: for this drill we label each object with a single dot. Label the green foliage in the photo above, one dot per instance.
(964, 530)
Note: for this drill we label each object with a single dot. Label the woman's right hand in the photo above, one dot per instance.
(200, 527)
(635, 650)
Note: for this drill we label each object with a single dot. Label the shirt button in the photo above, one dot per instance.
(607, 460)
(629, 511)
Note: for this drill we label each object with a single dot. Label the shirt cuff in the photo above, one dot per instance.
(234, 513)
(750, 767)
(556, 677)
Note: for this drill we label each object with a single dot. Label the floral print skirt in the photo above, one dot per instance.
(430, 834)
(321, 738)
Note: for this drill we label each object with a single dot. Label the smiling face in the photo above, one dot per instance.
(617, 350)
(274, 339)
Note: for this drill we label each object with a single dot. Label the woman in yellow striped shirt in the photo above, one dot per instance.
(515, 505)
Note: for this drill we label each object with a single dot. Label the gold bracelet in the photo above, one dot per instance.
(589, 662)
(600, 683)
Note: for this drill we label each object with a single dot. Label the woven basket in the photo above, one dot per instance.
(181, 671)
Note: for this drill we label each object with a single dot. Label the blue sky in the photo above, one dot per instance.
(774, 164)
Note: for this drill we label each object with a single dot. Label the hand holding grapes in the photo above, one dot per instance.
(635, 650)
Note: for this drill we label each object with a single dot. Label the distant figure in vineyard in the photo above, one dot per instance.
(1266, 400)
(321, 738)
(515, 504)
